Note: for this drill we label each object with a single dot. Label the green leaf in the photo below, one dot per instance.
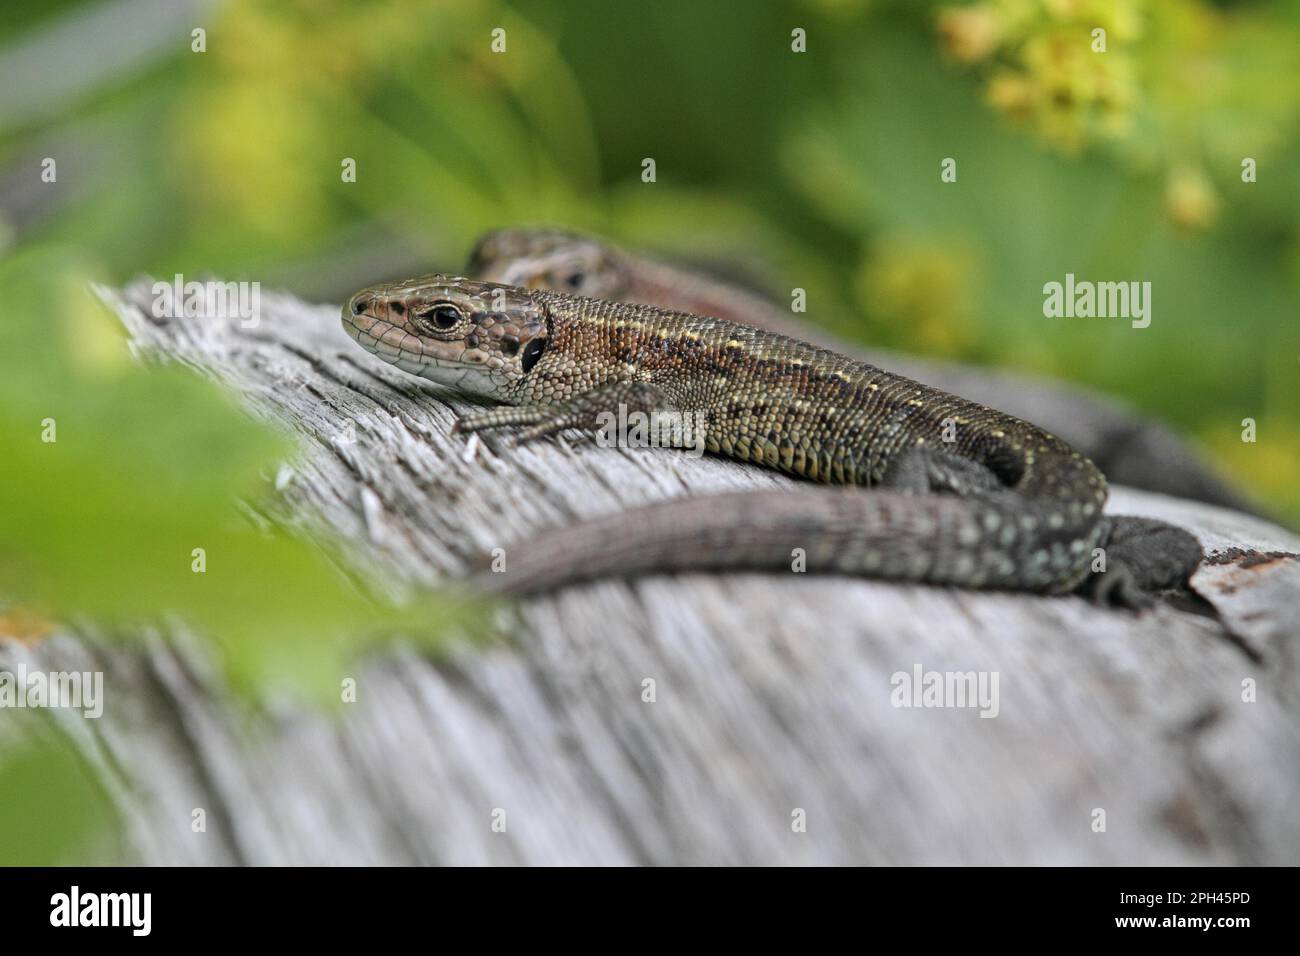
(128, 515)
(52, 811)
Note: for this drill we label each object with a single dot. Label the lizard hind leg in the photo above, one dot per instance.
(1143, 556)
(924, 468)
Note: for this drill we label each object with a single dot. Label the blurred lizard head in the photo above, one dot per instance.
(551, 259)
(481, 338)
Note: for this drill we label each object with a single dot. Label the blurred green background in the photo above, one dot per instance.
(817, 169)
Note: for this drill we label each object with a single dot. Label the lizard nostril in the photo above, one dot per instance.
(360, 304)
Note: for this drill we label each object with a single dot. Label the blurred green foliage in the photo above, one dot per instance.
(818, 169)
(113, 476)
(144, 469)
(52, 809)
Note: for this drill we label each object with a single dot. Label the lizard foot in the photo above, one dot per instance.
(503, 417)
(1143, 556)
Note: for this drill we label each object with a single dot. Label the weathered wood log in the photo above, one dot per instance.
(774, 694)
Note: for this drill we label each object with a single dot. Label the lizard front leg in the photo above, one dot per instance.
(582, 411)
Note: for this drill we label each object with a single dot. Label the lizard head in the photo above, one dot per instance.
(551, 259)
(478, 337)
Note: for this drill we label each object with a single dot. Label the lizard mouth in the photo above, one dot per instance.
(453, 364)
(387, 341)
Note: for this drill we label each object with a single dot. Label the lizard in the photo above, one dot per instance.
(963, 494)
(1131, 450)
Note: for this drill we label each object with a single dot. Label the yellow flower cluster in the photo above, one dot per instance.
(1179, 88)
(1062, 67)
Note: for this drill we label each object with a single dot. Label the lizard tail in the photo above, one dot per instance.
(991, 540)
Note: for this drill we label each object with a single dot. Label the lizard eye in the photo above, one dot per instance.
(575, 280)
(532, 352)
(444, 317)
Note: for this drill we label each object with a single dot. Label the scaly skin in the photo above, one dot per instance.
(976, 498)
(1131, 450)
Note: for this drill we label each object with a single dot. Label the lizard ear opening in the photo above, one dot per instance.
(532, 352)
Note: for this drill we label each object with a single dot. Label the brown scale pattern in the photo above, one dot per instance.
(800, 409)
